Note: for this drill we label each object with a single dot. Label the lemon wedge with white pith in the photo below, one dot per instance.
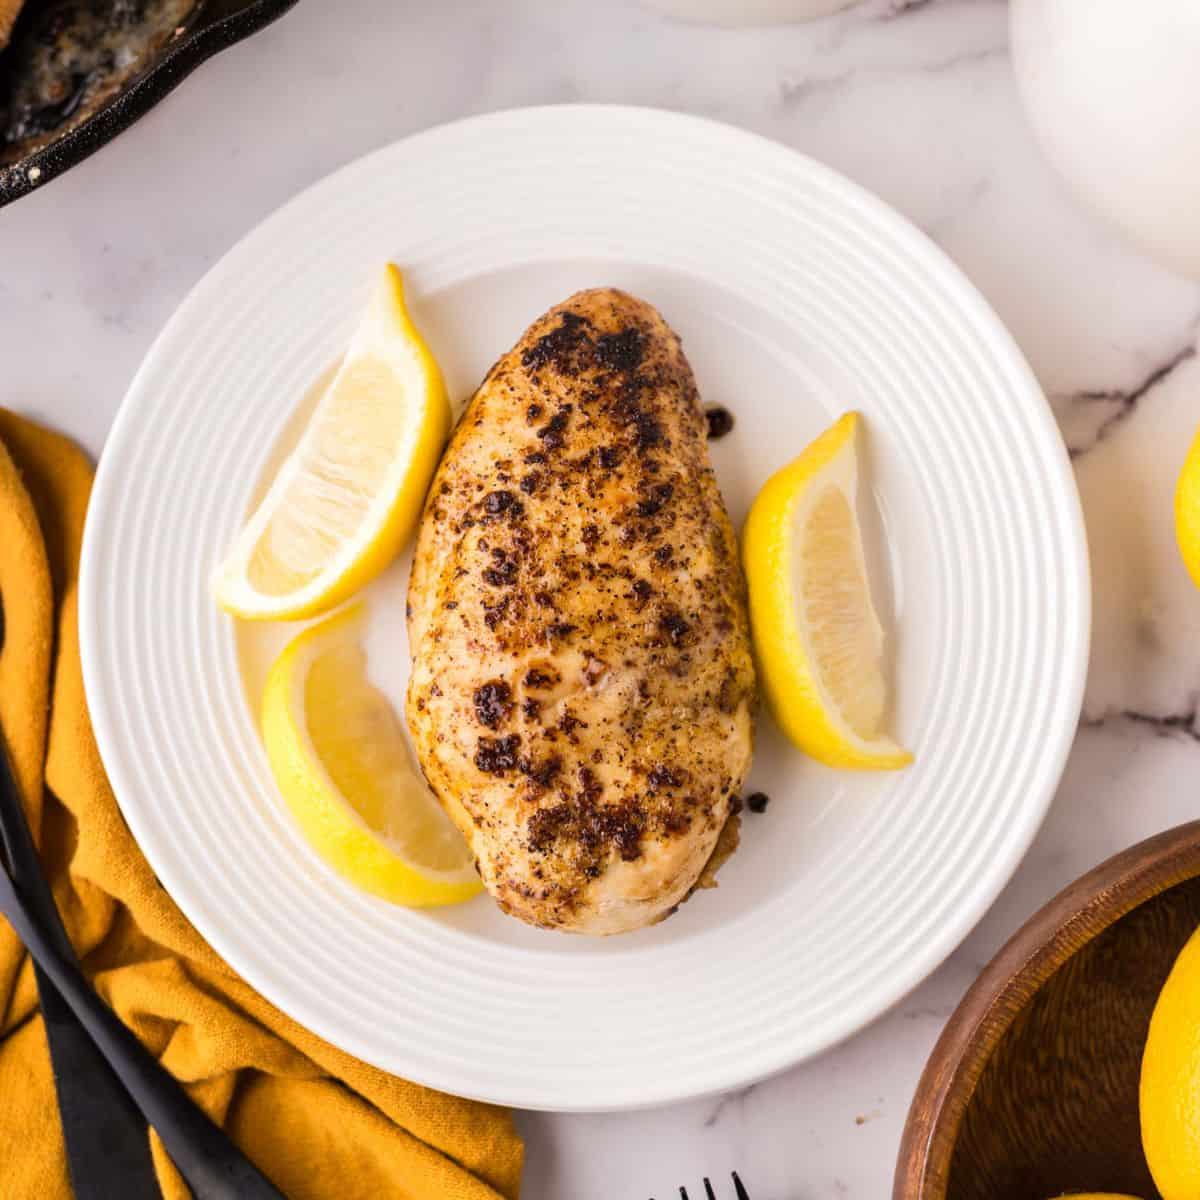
(818, 641)
(350, 494)
(339, 756)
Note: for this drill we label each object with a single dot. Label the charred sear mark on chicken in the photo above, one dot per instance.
(493, 703)
(622, 351)
(502, 503)
(661, 777)
(495, 756)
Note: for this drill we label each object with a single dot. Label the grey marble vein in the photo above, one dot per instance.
(730, 1101)
(819, 80)
(1179, 725)
(1100, 411)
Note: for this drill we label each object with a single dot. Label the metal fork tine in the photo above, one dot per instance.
(709, 1194)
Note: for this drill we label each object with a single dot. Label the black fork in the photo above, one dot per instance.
(212, 1165)
(739, 1190)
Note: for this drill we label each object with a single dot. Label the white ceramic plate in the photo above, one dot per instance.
(797, 296)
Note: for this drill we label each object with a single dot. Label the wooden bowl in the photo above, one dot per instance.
(1032, 1089)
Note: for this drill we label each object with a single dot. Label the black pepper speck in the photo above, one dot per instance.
(719, 420)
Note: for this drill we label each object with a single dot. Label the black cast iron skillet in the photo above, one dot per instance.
(84, 98)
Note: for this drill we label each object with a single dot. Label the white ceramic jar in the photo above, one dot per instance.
(749, 12)
(1112, 88)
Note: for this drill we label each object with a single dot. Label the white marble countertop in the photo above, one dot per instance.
(916, 101)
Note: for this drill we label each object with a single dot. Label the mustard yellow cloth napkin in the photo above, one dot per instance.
(320, 1123)
(9, 11)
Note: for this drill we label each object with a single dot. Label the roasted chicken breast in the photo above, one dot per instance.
(582, 686)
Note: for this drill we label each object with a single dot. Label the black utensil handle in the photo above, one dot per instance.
(212, 1165)
(108, 1151)
(106, 1139)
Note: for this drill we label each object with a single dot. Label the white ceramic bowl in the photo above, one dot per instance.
(1111, 90)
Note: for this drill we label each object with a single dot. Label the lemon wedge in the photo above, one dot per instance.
(1170, 1084)
(350, 494)
(816, 635)
(340, 757)
(1187, 511)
